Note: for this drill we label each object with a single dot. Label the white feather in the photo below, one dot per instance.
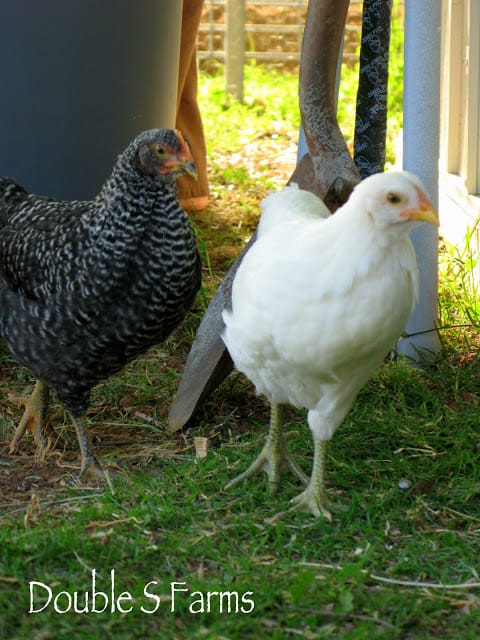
(319, 300)
(291, 205)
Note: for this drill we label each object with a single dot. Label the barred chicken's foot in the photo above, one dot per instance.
(91, 468)
(273, 457)
(36, 406)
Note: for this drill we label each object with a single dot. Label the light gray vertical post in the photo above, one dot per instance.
(420, 155)
(235, 48)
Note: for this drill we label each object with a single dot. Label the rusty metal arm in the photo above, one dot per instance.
(328, 169)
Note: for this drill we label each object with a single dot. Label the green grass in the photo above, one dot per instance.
(169, 521)
(459, 269)
(270, 99)
(395, 563)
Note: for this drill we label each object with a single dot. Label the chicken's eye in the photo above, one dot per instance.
(159, 151)
(393, 198)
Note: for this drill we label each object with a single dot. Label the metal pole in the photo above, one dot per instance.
(420, 155)
(235, 48)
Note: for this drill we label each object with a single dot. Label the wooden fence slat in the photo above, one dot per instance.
(235, 47)
(226, 36)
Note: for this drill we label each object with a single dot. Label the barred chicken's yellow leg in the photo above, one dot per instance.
(91, 467)
(312, 500)
(33, 417)
(273, 456)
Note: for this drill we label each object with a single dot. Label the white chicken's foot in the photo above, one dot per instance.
(36, 406)
(312, 499)
(91, 469)
(273, 456)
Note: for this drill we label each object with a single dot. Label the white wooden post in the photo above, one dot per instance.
(235, 48)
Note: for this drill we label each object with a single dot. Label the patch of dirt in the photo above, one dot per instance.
(126, 435)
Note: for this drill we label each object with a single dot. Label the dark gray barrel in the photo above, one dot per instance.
(79, 80)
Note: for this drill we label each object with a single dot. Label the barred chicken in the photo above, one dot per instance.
(85, 287)
(317, 304)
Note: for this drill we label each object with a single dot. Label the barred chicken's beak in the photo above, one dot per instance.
(184, 158)
(189, 167)
(180, 164)
(424, 212)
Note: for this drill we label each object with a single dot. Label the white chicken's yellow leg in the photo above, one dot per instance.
(273, 456)
(312, 499)
(36, 406)
(91, 467)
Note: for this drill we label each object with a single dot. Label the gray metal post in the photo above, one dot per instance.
(235, 48)
(80, 79)
(420, 155)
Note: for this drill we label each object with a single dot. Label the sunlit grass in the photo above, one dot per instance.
(270, 107)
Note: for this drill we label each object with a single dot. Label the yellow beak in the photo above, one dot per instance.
(424, 212)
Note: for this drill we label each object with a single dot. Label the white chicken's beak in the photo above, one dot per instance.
(424, 212)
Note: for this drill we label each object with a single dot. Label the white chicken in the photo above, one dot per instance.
(317, 304)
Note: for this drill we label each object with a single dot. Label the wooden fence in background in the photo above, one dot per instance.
(268, 31)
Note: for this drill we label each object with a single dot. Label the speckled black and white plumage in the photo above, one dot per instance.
(87, 286)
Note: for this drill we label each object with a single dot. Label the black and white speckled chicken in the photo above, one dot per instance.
(85, 287)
